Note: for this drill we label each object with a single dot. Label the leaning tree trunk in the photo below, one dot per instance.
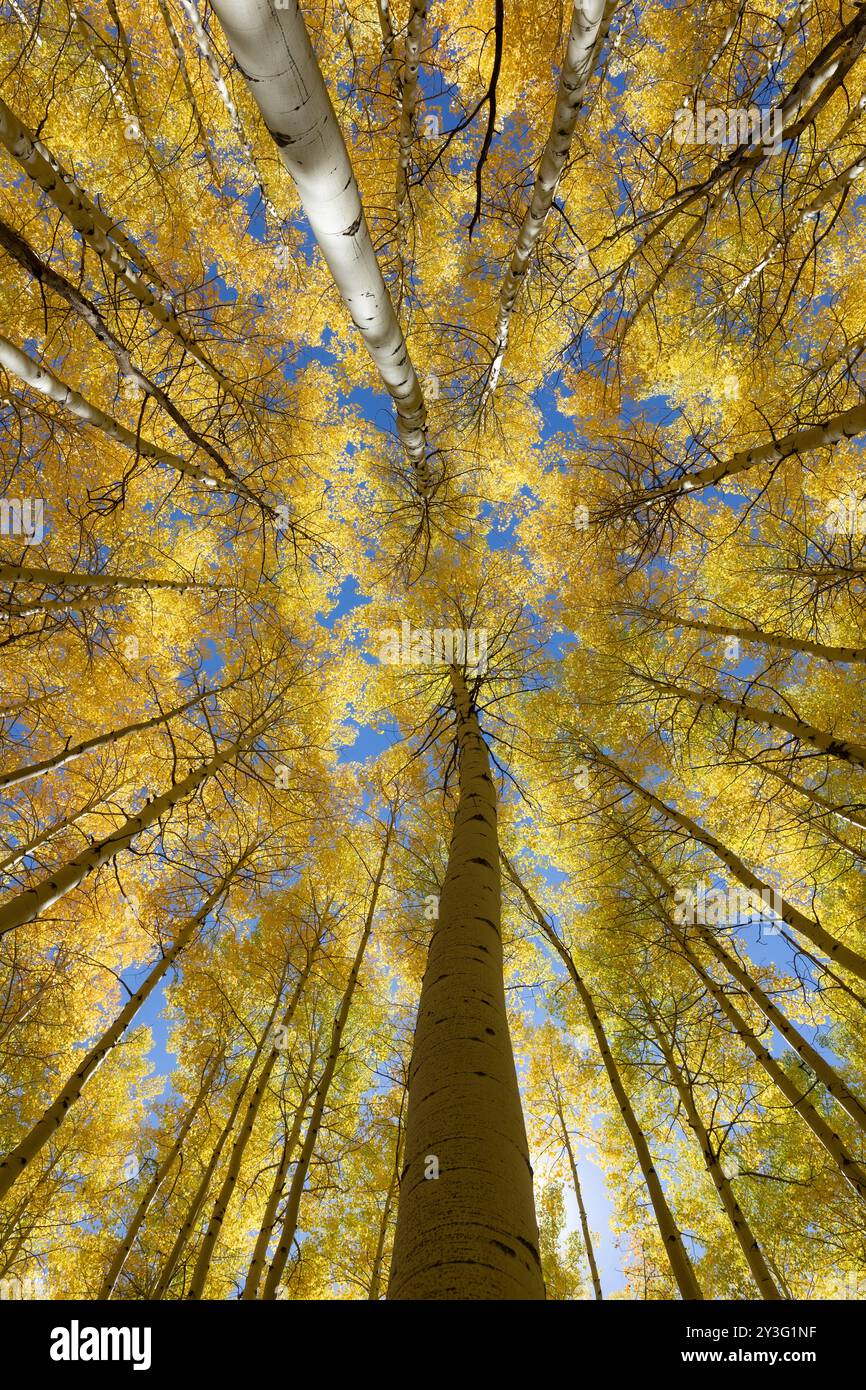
(466, 1225)
(29, 903)
(746, 1238)
(15, 1162)
(161, 1172)
(835, 950)
(681, 1265)
(274, 53)
(590, 22)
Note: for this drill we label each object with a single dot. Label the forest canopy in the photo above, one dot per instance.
(432, 557)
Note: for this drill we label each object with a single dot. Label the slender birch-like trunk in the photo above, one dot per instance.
(590, 22)
(13, 1165)
(45, 173)
(38, 378)
(825, 1073)
(409, 101)
(578, 1193)
(180, 58)
(833, 747)
(269, 1219)
(375, 1285)
(846, 425)
(87, 311)
(299, 1177)
(746, 1238)
(466, 1225)
(835, 950)
(274, 53)
(30, 903)
(78, 579)
(205, 48)
(843, 655)
(163, 1168)
(672, 1240)
(823, 1132)
(244, 1134)
(69, 754)
(200, 1194)
(844, 813)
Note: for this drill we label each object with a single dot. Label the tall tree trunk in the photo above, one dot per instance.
(13, 1165)
(826, 1074)
(32, 901)
(409, 89)
(70, 754)
(272, 1206)
(274, 53)
(45, 172)
(846, 425)
(746, 1238)
(750, 634)
(590, 22)
(161, 1172)
(471, 1231)
(806, 926)
(200, 1194)
(299, 1177)
(37, 377)
(823, 1132)
(681, 1265)
(578, 1193)
(829, 744)
(244, 1134)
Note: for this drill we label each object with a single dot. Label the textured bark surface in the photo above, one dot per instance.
(590, 22)
(471, 1232)
(274, 53)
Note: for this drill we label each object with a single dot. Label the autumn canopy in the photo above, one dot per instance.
(432, 560)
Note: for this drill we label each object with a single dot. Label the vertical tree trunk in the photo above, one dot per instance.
(299, 1177)
(584, 1222)
(471, 1231)
(200, 1194)
(269, 1219)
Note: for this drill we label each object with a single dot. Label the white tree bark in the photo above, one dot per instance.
(589, 25)
(274, 53)
(409, 92)
(40, 379)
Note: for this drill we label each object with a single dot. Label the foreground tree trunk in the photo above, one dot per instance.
(274, 53)
(466, 1226)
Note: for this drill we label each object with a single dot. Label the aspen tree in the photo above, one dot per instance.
(466, 1228)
